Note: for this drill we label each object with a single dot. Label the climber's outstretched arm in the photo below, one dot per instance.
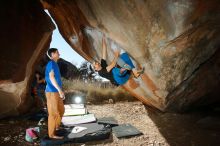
(114, 61)
(104, 55)
(104, 48)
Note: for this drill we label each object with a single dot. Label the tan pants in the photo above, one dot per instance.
(55, 111)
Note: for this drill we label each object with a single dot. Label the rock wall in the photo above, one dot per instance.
(25, 36)
(172, 39)
(176, 41)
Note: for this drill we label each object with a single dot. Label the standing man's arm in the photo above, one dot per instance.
(54, 82)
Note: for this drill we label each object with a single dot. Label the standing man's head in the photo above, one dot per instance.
(53, 54)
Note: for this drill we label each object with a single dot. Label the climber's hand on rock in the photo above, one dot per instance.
(116, 53)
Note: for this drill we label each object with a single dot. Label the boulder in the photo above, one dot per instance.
(176, 41)
(25, 36)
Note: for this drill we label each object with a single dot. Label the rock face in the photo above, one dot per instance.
(176, 41)
(25, 36)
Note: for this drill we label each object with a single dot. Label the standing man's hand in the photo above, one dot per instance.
(62, 96)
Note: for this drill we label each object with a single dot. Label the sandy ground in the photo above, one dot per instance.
(135, 114)
(169, 129)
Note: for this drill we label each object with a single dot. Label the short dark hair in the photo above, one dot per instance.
(91, 68)
(50, 51)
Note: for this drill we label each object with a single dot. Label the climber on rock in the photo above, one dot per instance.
(117, 75)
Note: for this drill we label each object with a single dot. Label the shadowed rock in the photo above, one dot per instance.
(176, 41)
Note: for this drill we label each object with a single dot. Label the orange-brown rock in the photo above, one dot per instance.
(173, 40)
(25, 35)
(176, 41)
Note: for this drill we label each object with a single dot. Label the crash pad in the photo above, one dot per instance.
(94, 132)
(73, 120)
(125, 130)
(108, 121)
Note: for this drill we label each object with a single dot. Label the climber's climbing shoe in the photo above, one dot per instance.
(126, 66)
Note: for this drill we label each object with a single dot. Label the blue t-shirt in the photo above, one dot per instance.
(52, 65)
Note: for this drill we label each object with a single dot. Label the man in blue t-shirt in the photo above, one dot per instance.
(54, 93)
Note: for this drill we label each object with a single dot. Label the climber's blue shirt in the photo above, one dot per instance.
(115, 76)
(120, 78)
(52, 66)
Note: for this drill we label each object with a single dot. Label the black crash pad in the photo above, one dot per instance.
(93, 135)
(108, 121)
(126, 130)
